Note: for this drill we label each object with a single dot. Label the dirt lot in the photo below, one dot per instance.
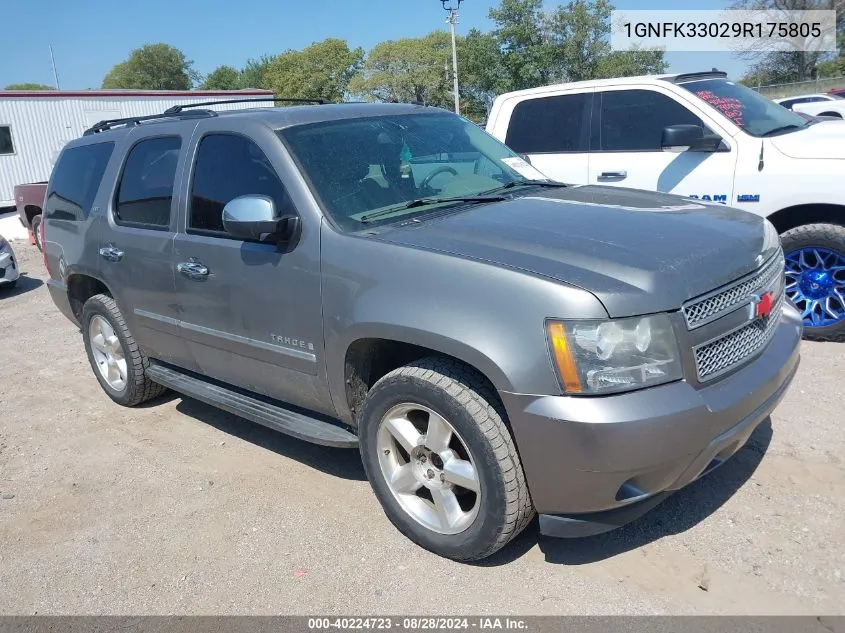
(179, 508)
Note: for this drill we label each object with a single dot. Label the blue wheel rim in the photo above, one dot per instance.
(815, 283)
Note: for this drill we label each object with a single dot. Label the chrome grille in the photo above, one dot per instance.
(716, 357)
(710, 307)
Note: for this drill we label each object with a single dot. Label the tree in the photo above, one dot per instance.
(222, 78)
(253, 73)
(520, 35)
(796, 65)
(411, 70)
(481, 71)
(153, 67)
(28, 86)
(322, 69)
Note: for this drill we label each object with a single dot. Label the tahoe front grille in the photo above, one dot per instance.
(708, 308)
(731, 350)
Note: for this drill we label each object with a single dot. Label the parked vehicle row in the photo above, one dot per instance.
(392, 278)
(824, 105)
(703, 137)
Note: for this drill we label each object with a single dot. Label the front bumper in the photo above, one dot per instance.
(8, 267)
(594, 464)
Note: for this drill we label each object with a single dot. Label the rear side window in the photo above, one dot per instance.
(633, 120)
(145, 190)
(228, 166)
(549, 125)
(76, 179)
(6, 146)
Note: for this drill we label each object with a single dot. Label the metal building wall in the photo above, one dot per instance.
(42, 125)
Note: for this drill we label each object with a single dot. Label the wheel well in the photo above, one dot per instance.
(802, 214)
(80, 288)
(31, 211)
(368, 360)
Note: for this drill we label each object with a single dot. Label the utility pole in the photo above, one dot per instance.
(452, 20)
(53, 62)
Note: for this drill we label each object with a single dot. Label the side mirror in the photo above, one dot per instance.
(687, 137)
(254, 217)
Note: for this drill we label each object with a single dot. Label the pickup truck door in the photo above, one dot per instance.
(626, 132)
(249, 312)
(552, 131)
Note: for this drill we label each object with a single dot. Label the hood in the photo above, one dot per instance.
(825, 139)
(638, 252)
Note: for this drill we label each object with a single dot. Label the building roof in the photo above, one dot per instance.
(99, 94)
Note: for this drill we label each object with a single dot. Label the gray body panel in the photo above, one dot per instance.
(475, 283)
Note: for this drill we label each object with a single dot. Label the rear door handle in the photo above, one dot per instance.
(111, 253)
(194, 269)
(608, 176)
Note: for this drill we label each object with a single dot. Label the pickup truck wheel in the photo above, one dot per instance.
(815, 278)
(118, 363)
(441, 460)
(36, 231)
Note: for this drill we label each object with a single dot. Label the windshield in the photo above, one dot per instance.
(748, 109)
(357, 167)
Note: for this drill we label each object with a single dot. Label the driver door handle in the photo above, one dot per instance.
(194, 270)
(607, 176)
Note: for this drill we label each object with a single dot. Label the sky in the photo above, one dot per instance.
(90, 36)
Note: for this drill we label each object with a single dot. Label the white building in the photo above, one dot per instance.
(35, 125)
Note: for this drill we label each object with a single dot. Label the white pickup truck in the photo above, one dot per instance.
(705, 137)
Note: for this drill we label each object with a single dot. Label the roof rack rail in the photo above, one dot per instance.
(109, 124)
(707, 74)
(179, 108)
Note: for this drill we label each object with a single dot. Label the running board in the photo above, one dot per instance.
(278, 418)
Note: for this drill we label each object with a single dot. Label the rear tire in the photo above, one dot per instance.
(473, 450)
(815, 278)
(36, 231)
(115, 357)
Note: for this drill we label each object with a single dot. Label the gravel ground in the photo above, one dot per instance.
(177, 507)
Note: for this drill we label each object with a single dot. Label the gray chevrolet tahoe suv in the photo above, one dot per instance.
(390, 277)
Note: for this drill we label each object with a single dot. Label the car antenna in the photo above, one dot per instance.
(761, 163)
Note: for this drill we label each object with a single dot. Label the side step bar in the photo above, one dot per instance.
(276, 417)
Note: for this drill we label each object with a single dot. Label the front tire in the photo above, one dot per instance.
(115, 357)
(442, 462)
(815, 278)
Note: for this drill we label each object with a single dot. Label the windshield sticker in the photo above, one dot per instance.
(731, 107)
(524, 168)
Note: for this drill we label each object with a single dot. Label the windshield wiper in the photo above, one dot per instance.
(784, 128)
(529, 183)
(421, 202)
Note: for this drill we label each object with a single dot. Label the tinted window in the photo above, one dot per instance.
(76, 179)
(550, 124)
(6, 146)
(791, 102)
(229, 166)
(146, 186)
(633, 120)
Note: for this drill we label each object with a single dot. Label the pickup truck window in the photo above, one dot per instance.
(228, 166)
(145, 190)
(358, 166)
(76, 179)
(6, 145)
(751, 111)
(549, 125)
(633, 120)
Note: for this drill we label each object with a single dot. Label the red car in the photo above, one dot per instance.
(29, 201)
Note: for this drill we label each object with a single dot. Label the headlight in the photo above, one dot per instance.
(4, 245)
(598, 357)
(771, 239)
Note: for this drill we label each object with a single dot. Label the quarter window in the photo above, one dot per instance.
(228, 166)
(6, 145)
(549, 125)
(76, 179)
(633, 120)
(145, 191)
